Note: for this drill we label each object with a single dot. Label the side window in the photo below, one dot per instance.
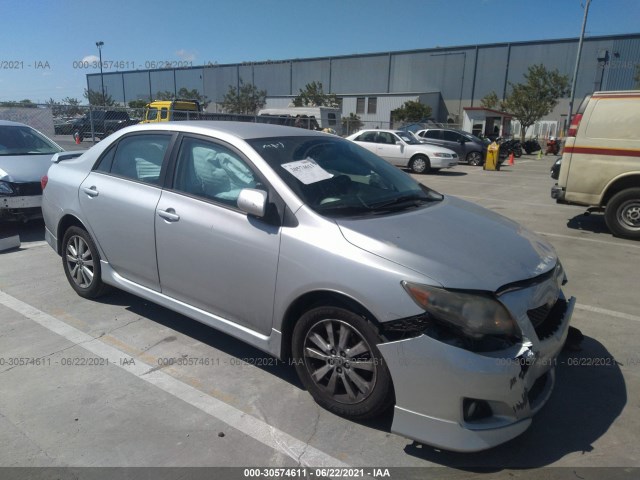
(139, 157)
(450, 136)
(386, 137)
(432, 134)
(366, 137)
(163, 113)
(212, 171)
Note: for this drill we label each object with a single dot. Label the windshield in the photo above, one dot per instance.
(407, 137)
(336, 177)
(23, 140)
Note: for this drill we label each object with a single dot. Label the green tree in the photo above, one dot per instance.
(351, 124)
(411, 111)
(490, 100)
(71, 106)
(247, 99)
(137, 103)
(96, 98)
(22, 103)
(165, 95)
(186, 94)
(313, 96)
(528, 102)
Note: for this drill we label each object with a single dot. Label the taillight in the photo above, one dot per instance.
(575, 123)
(43, 182)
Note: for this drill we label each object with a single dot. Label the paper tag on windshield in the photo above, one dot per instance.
(307, 171)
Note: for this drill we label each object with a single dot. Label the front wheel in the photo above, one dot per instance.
(419, 164)
(81, 263)
(622, 214)
(474, 158)
(338, 362)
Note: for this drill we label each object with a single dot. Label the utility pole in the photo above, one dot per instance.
(575, 70)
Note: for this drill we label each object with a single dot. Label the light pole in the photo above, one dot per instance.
(100, 45)
(577, 65)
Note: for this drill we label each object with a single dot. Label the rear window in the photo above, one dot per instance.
(615, 118)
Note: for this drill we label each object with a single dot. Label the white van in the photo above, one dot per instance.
(601, 160)
(312, 118)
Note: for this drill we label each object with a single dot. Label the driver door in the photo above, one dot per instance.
(211, 255)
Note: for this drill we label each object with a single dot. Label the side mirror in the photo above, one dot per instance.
(252, 202)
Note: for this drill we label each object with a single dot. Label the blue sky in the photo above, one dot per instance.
(43, 39)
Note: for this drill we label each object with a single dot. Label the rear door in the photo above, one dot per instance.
(391, 148)
(453, 141)
(433, 136)
(118, 199)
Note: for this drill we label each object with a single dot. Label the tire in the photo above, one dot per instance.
(622, 214)
(323, 348)
(81, 263)
(474, 158)
(420, 164)
(517, 152)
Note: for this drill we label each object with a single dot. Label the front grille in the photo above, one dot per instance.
(538, 315)
(546, 320)
(26, 189)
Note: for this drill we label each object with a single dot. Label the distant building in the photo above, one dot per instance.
(371, 85)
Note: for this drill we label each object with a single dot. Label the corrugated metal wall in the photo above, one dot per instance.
(461, 78)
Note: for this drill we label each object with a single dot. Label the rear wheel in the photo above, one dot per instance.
(474, 158)
(419, 164)
(81, 263)
(622, 214)
(338, 362)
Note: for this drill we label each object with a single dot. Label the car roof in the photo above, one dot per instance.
(9, 123)
(242, 130)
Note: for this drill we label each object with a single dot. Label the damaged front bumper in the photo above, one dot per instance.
(461, 400)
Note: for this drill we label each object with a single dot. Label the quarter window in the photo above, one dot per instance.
(139, 157)
(211, 171)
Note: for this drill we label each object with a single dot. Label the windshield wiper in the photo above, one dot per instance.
(402, 201)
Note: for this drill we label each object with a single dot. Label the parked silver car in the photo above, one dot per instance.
(402, 149)
(312, 248)
(25, 156)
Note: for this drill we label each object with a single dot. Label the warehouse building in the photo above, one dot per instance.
(452, 80)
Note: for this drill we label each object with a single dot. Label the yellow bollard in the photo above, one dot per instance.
(491, 162)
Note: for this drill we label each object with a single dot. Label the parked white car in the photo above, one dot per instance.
(404, 150)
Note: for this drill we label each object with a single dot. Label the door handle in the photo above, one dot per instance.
(169, 214)
(91, 191)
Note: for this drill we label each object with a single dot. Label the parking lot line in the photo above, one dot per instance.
(610, 313)
(301, 452)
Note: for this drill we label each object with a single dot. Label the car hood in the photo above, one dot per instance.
(24, 168)
(455, 243)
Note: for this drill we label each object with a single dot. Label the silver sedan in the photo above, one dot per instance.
(319, 252)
